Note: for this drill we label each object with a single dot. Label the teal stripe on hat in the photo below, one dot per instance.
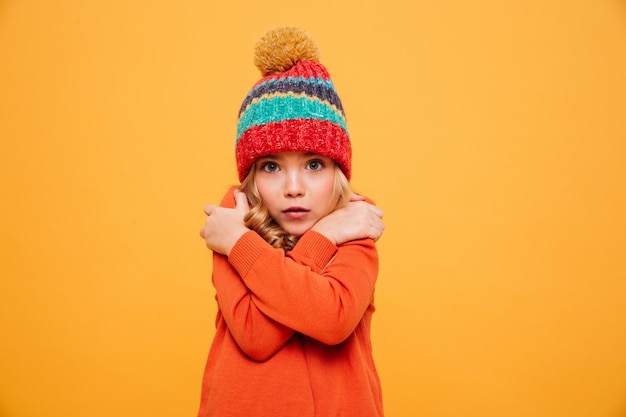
(280, 107)
(312, 87)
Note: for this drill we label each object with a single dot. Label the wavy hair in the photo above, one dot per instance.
(259, 219)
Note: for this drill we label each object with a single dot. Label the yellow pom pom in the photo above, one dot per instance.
(281, 48)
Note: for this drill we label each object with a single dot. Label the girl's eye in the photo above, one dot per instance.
(315, 165)
(270, 167)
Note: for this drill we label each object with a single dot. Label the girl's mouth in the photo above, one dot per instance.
(295, 212)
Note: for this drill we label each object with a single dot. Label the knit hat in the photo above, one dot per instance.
(294, 107)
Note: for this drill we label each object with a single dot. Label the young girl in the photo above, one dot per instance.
(294, 263)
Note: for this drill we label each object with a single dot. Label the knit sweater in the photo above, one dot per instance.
(293, 330)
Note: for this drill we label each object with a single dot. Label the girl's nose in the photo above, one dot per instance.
(294, 186)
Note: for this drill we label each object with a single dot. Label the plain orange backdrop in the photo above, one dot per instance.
(493, 134)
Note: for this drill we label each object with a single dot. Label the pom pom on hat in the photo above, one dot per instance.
(280, 49)
(294, 107)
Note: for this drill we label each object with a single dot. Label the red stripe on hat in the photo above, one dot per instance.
(298, 135)
(306, 69)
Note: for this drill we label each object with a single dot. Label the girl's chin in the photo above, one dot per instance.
(297, 230)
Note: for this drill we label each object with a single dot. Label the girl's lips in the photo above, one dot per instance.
(295, 212)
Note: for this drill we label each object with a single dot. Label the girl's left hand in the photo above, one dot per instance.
(357, 219)
(224, 226)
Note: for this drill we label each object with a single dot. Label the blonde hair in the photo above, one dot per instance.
(259, 219)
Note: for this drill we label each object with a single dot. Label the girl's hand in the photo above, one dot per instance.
(224, 226)
(356, 220)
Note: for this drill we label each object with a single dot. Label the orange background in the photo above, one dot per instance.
(493, 134)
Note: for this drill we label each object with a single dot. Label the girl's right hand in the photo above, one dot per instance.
(355, 220)
(224, 226)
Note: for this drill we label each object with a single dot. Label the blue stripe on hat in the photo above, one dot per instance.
(314, 87)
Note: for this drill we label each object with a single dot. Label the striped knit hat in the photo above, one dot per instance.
(294, 107)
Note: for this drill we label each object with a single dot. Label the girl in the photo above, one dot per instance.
(294, 261)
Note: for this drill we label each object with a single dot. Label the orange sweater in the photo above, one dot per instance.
(293, 330)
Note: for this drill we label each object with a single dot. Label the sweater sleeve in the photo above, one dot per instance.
(317, 289)
(255, 333)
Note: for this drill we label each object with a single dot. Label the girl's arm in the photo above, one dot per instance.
(303, 290)
(317, 289)
(255, 333)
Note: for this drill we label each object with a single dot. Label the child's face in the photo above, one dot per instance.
(296, 187)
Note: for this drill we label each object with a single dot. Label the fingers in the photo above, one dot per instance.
(356, 197)
(375, 209)
(375, 222)
(379, 231)
(220, 221)
(208, 209)
(241, 201)
(370, 207)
